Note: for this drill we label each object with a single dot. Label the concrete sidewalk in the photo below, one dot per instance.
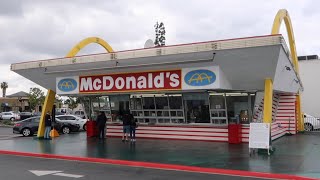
(297, 155)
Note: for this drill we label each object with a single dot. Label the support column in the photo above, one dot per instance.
(47, 106)
(267, 106)
(300, 120)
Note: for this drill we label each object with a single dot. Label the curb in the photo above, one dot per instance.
(150, 165)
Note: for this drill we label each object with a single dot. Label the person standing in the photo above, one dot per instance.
(133, 126)
(47, 124)
(126, 126)
(101, 123)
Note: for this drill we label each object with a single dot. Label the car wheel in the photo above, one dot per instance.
(26, 132)
(308, 127)
(66, 130)
(12, 119)
(85, 127)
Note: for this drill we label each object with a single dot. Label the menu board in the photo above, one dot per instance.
(259, 136)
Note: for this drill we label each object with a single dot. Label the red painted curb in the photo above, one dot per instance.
(159, 166)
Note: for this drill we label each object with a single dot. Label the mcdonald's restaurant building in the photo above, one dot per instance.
(188, 91)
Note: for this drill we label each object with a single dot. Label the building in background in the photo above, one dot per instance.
(15, 102)
(310, 76)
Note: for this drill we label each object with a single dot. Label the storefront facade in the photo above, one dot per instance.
(191, 91)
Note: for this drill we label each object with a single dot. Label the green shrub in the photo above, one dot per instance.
(7, 122)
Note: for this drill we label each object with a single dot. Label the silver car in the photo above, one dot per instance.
(9, 116)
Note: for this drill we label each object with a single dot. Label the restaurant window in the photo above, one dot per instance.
(162, 108)
(239, 107)
(197, 107)
(119, 105)
(218, 110)
(105, 106)
(136, 108)
(176, 108)
(149, 109)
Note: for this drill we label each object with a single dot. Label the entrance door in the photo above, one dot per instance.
(197, 107)
(119, 104)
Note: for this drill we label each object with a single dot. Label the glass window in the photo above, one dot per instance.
(104, 103)
(135, 102)
(239, 107)
(148, 103)
(175, 101)
(197, 107)
(162, 102)
(119, 104)
(217, 101)
(70, 118)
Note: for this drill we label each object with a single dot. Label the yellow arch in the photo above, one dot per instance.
(87, 41)
(284, 15)
(48, 104)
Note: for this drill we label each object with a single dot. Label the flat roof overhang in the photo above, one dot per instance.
(245, 62)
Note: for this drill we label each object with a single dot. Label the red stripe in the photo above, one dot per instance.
(293, 106)
(183, 135)
(284, 109)
(285, 98)
(286, 116)
(285, 113)
(170, 130)
(180, 139)
(177, 126)
(159, 166)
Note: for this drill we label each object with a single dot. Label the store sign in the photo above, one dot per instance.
(67, 85)
(136, 81)
(200, 77)
(180, 79)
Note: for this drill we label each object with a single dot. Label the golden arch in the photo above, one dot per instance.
(284, 15)
(87, 41)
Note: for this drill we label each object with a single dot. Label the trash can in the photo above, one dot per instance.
(92, 130)
(234, 133)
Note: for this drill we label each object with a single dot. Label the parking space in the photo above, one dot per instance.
(293, 155)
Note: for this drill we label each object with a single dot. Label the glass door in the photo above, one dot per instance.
(119, 104)
(197, 107)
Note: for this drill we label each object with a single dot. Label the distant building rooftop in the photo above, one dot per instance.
(18, 94)
(308, 57)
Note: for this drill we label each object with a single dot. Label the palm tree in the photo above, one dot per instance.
(4, 86)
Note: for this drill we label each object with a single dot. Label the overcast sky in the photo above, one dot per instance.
(41, 29)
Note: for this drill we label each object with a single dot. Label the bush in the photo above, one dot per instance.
(7, 122)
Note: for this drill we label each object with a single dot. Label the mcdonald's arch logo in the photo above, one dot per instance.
(200, 77)
(67, 85)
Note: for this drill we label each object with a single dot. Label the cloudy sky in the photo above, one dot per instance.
(41, 29)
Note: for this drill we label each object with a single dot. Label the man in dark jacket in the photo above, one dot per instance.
(101, 123)
(126, 126)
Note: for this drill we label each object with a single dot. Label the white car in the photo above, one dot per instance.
(311, 123)
(73, 120)
(9, 116)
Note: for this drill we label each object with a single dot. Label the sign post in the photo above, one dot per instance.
(259, 137)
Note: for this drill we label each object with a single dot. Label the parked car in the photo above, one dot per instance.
(9, 116)
(25, 115)
(311, 123)
(73, 120)
(29, 126)
(80, 114)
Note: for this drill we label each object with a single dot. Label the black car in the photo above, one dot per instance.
(25, 115)
(29, 126)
